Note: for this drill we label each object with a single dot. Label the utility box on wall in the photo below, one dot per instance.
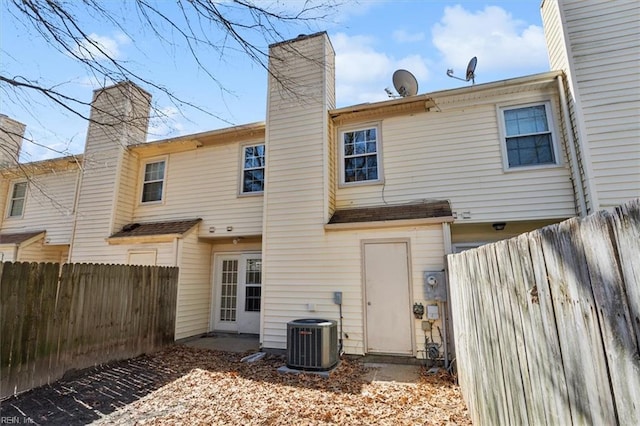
(435, 286)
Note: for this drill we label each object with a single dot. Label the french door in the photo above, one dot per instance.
(238, 291)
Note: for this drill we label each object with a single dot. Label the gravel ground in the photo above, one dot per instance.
(183, 385)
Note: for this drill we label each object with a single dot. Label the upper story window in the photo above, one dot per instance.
(360, 154)
(528, 136)
(253, 162)
(153, 181)
(18, 197)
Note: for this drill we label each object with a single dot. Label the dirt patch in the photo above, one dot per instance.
(198, 386)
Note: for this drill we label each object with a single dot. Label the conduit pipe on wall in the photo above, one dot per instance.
(575, 167)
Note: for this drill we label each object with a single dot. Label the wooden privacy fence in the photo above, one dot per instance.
(547, 324)
(90, 314)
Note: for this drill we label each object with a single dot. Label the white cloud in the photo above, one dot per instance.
(100, 48)
(501, 43)
(165, 123)
(362, 72)
(401, 36)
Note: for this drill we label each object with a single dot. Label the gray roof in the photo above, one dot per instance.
(156, 228)
(18, 238)
(421, 210)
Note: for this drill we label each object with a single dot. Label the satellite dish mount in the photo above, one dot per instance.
(470, 74)
(405, 84)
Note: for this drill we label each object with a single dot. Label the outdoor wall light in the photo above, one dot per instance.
(499, 226)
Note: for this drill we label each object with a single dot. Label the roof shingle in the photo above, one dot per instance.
(156, 228)
(18, 238)
(421, 210)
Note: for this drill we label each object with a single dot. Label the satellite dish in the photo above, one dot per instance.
(470, 74)
(405, 83)
(471, 69)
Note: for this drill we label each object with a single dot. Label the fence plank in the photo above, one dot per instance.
(490, 351)
(506, 353)
(465, 336)
(53, 321)
(519, 382)
(557, 383)
(584, 363)
(626, 227)
(567, 332)
(616, 323)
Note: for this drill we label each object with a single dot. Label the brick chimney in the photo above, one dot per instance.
(11, 135)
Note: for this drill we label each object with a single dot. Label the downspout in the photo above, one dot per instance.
(446, 236)
(575, 171)
(76, 198)
(175, 251)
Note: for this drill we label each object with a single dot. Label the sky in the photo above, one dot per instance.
(371, 38)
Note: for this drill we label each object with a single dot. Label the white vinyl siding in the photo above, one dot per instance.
(194, 287)
(142, 257)
(8, 253)
(295, 209)
(50, 200)
(456, 154)
(105, 153)
(306, 278)
(17, 199)
(528, 136)
(216, 201)
(602, 42)
(253, 163)
(153, 181)
(40, 252)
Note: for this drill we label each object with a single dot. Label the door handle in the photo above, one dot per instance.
(369, 303)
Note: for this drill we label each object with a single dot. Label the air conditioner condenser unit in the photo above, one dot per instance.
(312, 344)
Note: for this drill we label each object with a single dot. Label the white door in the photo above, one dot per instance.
(238, 293)
(387, 298)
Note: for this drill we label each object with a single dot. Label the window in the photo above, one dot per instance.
(360, 155)
(153, 181)
(528, 136)
(253, 280)
(18, 196)
(229, 290)
(253, 162)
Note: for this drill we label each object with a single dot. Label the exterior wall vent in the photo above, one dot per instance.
(312, 344)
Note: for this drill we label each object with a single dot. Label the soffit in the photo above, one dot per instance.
(62, 164)
(190, 142)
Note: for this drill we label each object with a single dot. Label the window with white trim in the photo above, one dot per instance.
(18, 197)
(528, 136)
(253, 162)
(360, 155)
(153, 181)
(253, 283)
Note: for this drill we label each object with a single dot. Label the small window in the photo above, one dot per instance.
(360, 155)
(253, 162)
(18, 197)
(153, 182)
(528, 136)
(253, 281)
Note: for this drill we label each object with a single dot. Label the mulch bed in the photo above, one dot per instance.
(183, 385)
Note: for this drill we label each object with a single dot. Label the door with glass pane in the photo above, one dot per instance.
(238, 293)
